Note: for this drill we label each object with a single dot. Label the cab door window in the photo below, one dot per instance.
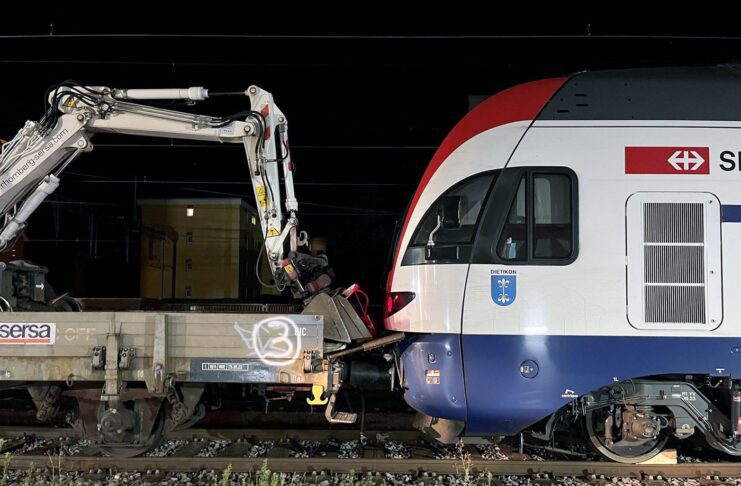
(513, 242)
(531, 218)
(552, 228)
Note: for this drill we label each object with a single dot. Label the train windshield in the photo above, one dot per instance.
(469, 196)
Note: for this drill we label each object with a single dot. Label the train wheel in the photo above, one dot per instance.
(625, 434)
(125, 429)
(125, 451)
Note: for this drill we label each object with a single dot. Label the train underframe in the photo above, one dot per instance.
(138, 420)
(630, 421)
(633, 421)
(484, 396)
(125, 379)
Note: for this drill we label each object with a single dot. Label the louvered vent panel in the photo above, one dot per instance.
(674, 278)
(674, 304)
(673, 223)
(674, 263)
(671, 264)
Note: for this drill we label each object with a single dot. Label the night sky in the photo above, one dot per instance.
(369, 95)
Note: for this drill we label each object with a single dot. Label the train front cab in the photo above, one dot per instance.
(439, 368)
(572, 267)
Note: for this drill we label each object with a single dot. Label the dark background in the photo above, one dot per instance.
(369, 94)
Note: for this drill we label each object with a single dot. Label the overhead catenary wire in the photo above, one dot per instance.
(226, 183)
(319, 205)
(349, 210)
(475, 37)
(293, 147)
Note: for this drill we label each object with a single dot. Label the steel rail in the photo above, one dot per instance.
(393, 466)
(10, 432)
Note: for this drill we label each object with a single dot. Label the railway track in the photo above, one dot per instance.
(46, 451)
(584, 469)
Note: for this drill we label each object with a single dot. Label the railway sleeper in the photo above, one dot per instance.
(655, 481)
(711, 481)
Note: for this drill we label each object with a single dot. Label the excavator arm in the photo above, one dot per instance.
(32, 162)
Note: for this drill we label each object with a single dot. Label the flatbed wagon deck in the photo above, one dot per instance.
(191, 347)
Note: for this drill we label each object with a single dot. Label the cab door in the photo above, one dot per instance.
(525, 247)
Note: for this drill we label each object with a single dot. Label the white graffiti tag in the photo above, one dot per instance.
(275, 340)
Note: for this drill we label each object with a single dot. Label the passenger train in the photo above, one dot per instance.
(571, 257)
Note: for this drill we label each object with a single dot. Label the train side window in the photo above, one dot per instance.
(530, 219)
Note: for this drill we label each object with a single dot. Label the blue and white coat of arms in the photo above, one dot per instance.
(503, 289)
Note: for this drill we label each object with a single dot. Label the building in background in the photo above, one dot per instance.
(200, 249)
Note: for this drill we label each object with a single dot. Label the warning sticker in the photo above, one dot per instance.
(28, 332)
(262, 197)
(432, 377)
(272, 232)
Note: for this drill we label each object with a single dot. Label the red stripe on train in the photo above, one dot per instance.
(518, 103)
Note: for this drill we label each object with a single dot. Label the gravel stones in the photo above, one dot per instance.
(492, 452)
(349, 450)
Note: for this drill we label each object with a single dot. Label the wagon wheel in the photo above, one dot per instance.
(134, 450)
(100, 425)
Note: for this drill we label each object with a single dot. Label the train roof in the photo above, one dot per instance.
(668, 93)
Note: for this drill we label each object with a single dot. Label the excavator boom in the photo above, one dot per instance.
(31, 164)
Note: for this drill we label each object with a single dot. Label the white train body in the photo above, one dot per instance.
(600, 217)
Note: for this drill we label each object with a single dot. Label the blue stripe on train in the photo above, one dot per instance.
(487, 390)
(731, 213)
(433, 375)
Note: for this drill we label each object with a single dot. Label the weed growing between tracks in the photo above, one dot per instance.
(464, 470)
(58, 470)
(350, 480)
(53, 475)
(263, 477)
(6, 463)
(225, 475)
(33, 475)
(465, 465)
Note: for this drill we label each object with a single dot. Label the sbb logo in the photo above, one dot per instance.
(730, 160)
(667, 160)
